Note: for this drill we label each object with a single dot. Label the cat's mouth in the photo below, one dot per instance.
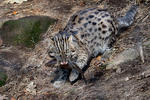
(64, 63)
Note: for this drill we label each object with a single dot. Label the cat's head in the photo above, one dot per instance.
(63, 48)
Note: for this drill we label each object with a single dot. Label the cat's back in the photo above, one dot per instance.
(88, 18)
(94, 26)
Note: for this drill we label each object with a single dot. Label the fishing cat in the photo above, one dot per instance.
(88, 33)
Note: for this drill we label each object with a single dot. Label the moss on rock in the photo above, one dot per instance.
(25, 31)
(3, 78)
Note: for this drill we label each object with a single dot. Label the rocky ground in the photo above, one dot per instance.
(126, 76)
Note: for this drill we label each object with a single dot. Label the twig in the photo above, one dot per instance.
(140, 49)
(143, 18)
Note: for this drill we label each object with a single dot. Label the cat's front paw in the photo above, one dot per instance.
(61, 78)
(74, 76)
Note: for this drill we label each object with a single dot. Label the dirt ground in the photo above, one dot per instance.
(31, 80)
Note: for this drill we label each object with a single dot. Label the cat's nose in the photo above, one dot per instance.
(64, 63)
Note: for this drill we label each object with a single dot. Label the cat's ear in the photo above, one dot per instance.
(70, 38)
(73, 42)
(51, 48)
(52, 35)
(51, 54)
(52, 39)
(51, 43)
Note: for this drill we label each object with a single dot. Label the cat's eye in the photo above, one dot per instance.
(73, 50)
(51, 54)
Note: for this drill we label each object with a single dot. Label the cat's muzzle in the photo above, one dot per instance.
(64, 63)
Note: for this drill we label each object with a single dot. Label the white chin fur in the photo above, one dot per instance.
(64, 63)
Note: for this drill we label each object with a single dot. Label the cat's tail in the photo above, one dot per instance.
(127, 20)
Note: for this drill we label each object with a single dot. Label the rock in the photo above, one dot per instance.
(127, 79)
(10, 60)
(3, 97)
(15, 1)
(25, 31)
(147, 43)
(118, 70)
(3, 78)
(1, 41)
(2, 21)
(125, 56)
(59, 83)
(31, 88)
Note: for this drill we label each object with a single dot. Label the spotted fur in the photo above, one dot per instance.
(89, 32)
